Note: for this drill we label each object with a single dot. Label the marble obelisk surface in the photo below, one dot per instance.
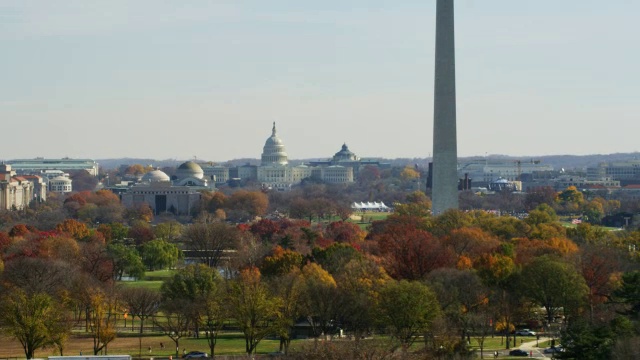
(445, 152)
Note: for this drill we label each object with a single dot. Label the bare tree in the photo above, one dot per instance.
(141, 302)
(207, 241)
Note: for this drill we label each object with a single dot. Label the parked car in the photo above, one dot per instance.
(525, 332)
(195, 354)
(518, 352)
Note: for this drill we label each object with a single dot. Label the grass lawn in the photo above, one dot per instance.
(228, 344)
(152, 279)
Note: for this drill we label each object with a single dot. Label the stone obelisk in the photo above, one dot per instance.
(445, 152)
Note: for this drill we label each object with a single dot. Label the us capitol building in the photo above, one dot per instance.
(275, 172)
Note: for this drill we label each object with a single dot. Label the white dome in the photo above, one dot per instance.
(155, 176)
(274, 152)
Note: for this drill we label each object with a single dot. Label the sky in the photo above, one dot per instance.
(206, 79)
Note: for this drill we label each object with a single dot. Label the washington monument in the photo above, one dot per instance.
(445, 152)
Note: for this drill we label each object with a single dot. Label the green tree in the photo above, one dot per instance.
(195, 293)
(407, 309)
(554, 285)
(160, 254)
(126, 260)
(168, 230)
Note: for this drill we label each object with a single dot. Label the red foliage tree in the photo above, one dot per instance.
(409, 253)
(5, 241)
(341, 231)
(265, 229)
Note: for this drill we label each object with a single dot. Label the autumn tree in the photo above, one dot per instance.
(104, 305)
(141, 233)
(461, 295)
(280, 262)
(470, 242)
(598, 265)
(344, 232)
(319, 298)
(251, 305)
(411, 254)
(335, 257)
(76, 229)
(31, 319)
(245, 205)
(288, 288)
(359, 283)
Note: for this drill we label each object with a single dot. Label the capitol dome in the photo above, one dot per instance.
(189, 169)
(155, 176)
(274, 152)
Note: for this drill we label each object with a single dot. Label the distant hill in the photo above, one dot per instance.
(578, 162)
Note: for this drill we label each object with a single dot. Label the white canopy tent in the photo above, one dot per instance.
(364, 206)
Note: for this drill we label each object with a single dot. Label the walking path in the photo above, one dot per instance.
(530, 347)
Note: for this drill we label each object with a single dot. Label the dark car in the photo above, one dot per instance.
(518, 352)
(195, 354)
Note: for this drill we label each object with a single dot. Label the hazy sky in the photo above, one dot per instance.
(178, 79)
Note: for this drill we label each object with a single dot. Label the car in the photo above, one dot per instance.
(195, 354)
(525, 332)
(518, 352)
(553, 350)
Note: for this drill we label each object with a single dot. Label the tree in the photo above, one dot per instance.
(141, 233)
(470, 242)
(344, 232)
(245, 205)
(126, 260)
(168, 230)
(359, 283)
(411, 254)
(598, 264)
(288, 288)
(141, 302)
(160, 254)
(554, 285)
(30, 319)
(319, 298)
(407, 309)
(188, 291)
(176, 324)
(335, 257)
(208, 241)
(102, 318)
(252, 307)
(76, 229)
(628, 293)
(461, 294)
(281, 262)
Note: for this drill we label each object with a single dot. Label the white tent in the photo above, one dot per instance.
(380, 206)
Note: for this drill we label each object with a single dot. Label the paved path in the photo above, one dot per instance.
(529, 346)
